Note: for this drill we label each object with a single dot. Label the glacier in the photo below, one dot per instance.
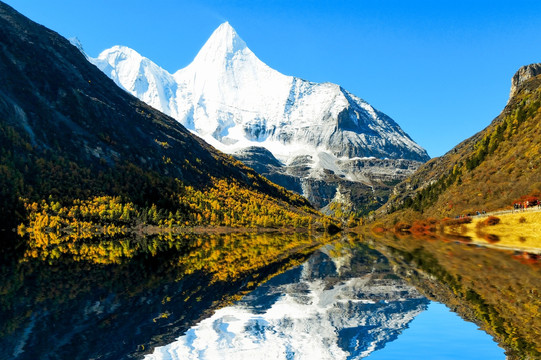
(234, 101)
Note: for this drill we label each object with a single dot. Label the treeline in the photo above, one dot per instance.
(223, 204)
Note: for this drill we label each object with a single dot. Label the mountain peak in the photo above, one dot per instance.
(226, 34)
(120, 51)
(225, 28)
(233, 100)
(224, 43)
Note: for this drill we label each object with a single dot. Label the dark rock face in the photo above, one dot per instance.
(524, 73)
(258, 158)
(364, 185)
(262, 161)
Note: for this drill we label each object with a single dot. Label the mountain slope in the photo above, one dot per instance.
(235, 101)
(489, 170)
(67, 132)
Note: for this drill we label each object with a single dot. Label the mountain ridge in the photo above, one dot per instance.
(235, 62)
(234, 101)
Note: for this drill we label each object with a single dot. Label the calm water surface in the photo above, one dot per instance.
(346, 304)
(268, 297)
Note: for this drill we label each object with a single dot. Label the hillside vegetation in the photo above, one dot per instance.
(70, 136)
(485, 172)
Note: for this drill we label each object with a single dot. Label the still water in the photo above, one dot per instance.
(337, 305)
(270, 297)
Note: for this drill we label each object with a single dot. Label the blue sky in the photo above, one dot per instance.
(441, 69)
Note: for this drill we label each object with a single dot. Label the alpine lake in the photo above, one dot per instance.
(267, 296)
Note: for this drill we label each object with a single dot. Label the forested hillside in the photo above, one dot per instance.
(485, 172)
(69, 135)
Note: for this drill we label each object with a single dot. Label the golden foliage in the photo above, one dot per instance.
(226, 203)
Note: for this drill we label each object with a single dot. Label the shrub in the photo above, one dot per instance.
(492, 220)
(459, 221)
(491, 238)
(532, 198)
(378, 228)
(424, 227)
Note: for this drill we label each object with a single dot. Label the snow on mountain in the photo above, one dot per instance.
(140, 77)
(317, 311)
(234, 101)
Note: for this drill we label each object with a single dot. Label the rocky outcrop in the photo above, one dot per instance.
(524, 73)
(258, 158)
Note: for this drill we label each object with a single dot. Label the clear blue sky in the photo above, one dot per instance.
(441, 69)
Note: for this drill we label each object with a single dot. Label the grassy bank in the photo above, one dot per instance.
(519, 230)
(513, 230)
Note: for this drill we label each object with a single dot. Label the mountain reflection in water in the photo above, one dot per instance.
(345, 302)
(498, 290)
(170, 298)
(120, 304)
(334, 306)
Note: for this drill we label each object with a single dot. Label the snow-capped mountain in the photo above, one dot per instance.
(234, 101)
(328, 308)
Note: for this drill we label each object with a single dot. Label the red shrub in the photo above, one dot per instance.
(491, 238)
(491, 220)
(424, 227)
(532, 199)
(458, 221)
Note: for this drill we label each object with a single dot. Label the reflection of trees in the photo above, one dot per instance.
(486, 286)
(143, 296)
